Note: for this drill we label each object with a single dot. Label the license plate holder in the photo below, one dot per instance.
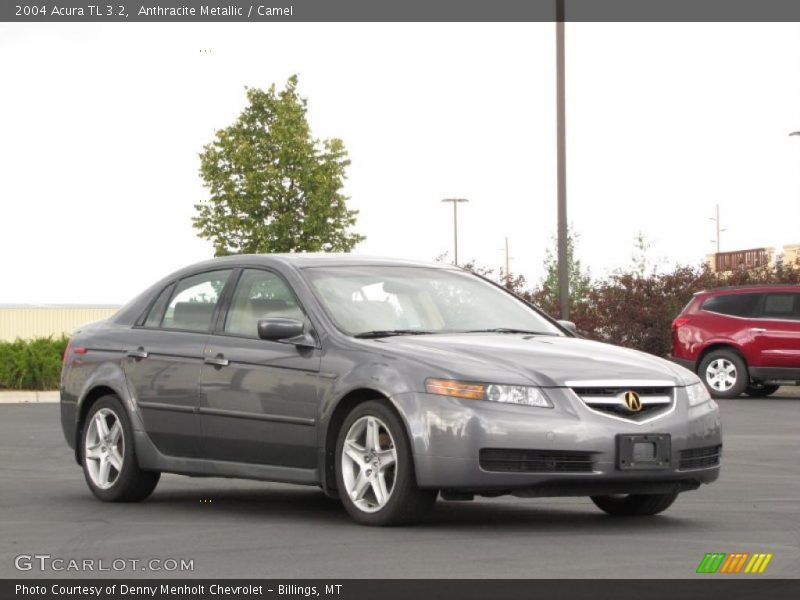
(644, 452)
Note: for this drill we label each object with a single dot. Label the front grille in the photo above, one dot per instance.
(700, 458)
(535, 461)
(655, 400)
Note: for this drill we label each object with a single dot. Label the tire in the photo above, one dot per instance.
(731, 373)
(761, 390)
(376, 482)
(635, 505)
(109, 463)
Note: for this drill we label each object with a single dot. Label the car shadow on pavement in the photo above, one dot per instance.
(310, 505)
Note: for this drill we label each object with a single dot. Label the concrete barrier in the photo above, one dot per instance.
(14, 397)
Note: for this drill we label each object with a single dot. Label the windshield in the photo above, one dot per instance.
(364, 299)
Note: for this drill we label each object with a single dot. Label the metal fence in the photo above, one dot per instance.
(742, 259)
(26, 322)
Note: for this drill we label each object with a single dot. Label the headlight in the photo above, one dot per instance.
(508, 394)
(698, 394)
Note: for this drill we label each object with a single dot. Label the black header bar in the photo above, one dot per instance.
(707, 587)
(397, 10)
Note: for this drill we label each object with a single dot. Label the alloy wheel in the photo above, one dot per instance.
(369, 462)
(104, 449)
(721, 374)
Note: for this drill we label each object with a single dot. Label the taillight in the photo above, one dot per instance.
(680, 322)
(76, 350)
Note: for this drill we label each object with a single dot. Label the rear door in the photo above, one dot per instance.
(259, 397)
(164, 356)
(776, 330)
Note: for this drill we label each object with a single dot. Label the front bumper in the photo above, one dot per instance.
(447, 435)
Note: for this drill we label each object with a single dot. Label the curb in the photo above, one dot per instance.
(29, 397)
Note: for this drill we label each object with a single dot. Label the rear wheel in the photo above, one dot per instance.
(375, 469)
(635, 505)
(761, 390)
(724, 373)
(109, 457)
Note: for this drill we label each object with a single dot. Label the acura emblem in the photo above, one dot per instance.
(633, 402)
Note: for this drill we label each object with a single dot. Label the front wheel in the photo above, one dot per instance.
(375, 469)
(724, 373)
(635, 505)
(109, 457)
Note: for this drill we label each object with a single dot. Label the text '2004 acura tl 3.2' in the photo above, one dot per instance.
(384, 382)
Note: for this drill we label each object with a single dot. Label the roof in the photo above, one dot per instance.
(756, 287)
(302, 260)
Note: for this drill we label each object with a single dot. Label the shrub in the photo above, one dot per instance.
(31, 364)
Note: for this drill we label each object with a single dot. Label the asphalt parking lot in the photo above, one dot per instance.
(233, 528)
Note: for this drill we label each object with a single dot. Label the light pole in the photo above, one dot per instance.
(716, 219)
(455, 202)
(794, 133)
(561, 165)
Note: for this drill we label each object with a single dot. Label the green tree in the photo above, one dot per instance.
(580, 280)
(274, 188)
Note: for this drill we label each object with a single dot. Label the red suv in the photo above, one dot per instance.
(741, 339)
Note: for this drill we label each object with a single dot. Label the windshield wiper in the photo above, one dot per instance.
(379, 333)
(509, 330)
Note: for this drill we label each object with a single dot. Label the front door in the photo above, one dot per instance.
(776, 330)
(258, 398)
(164, 358)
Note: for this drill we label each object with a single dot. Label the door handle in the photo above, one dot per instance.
(138, 353)
(218, 361)
(758, 330)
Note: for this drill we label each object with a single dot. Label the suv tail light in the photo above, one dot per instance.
(680, 322)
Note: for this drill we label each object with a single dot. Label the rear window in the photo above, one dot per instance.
(784, 305)
(737, 305)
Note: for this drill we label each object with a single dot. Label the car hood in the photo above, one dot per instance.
(549, 361)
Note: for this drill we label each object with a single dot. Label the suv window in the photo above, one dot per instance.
(194, 301)
(260, 295)
(738, 305)
(782, 305)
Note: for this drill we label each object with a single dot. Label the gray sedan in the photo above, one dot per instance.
(386, 383)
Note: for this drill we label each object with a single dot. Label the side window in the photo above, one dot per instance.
(260, 295)
(781, 306)
(194, 300)
(157, 310)
(738, 305)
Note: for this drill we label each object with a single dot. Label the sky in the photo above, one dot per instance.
(101, 126)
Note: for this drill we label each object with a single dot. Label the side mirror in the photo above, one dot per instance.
(569, 326)
(279, 329)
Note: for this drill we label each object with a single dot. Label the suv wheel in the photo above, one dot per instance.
(375, 470)
(761, 390)
(108, 455)
(635, 505)
(724, 374)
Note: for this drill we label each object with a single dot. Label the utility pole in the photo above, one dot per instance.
(455, 202)
(716, 219)
(561, 165)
